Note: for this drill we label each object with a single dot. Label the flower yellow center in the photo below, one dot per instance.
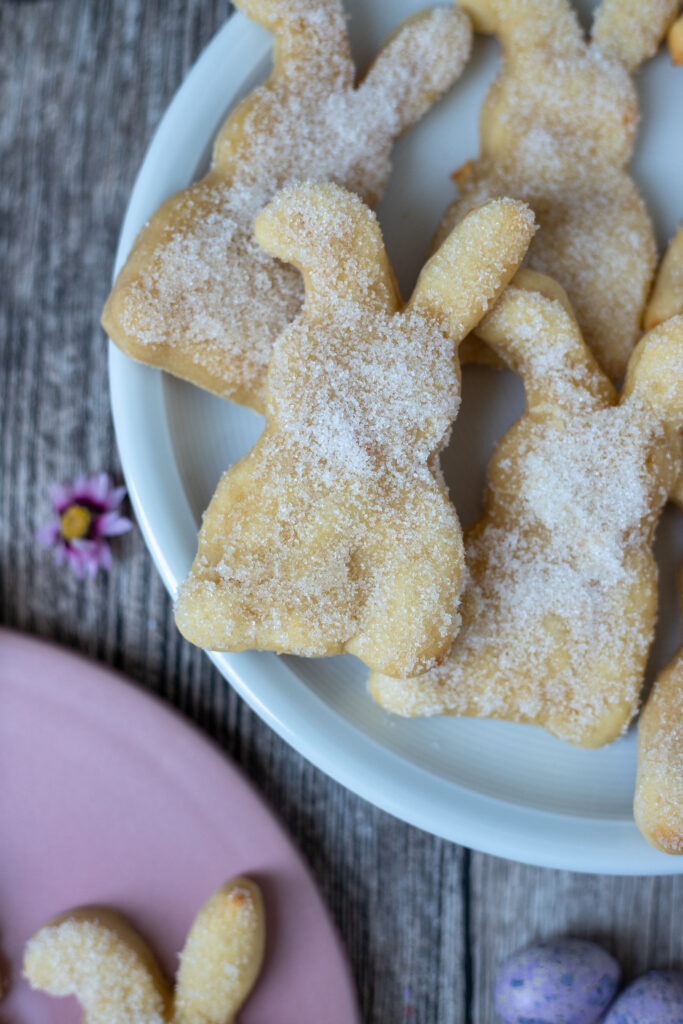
(75, 522)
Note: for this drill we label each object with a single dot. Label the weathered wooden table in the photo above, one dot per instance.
(83, 84)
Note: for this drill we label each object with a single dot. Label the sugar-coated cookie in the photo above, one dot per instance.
(335, 532)
(557, 130)
(197, 296)
(658, 804)
(559, 607)
(675, 41)
(667, 301)
(667, 295)
(94, 954)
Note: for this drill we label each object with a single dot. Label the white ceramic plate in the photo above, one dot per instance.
(506, 789)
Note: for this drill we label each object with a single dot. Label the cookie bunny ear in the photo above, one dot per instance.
(418, 63)
(654, 377)
(334, 240)
(631, 30)
(534, 330)
(523, 25)
(222, 956)
(667, 295)
(310, 37)
(93, 954)
(675, 41)
(468, 272)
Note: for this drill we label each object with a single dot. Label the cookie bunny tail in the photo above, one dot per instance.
(334, 240)
(667, 297)
(93, 954)
(468, 272)
(222, 956)
(654, 378)
(522, 25)
(675, 41)
(311, 41)
(658, 802)
(631, 30)
(417, 64)
(534, 331)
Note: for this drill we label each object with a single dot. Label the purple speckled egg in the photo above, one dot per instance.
(656, 998)
(566, 981)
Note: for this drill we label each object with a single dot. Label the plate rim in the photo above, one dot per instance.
(356, 761)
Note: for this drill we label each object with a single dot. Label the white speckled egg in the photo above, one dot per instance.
(565, 981)
(656, 998)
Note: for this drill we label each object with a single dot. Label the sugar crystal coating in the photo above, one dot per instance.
(197, 295)
(559, 606)
(334, 533)
(93, 961)
(557, 130)
(95, 955)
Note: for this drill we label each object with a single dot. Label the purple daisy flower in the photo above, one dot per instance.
(85, 515)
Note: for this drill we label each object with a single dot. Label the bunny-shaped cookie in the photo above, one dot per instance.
(335, 533)
(667, 295)
(658, 803)
(197, 296)
(667, 301)
(94, 954)
(557, 130)
(559, 608)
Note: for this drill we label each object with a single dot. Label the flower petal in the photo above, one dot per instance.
(61, 554)
(86, 551)
(84, 557)
(61, 495)
(48, 534)
(100, 486)
(80, 485)
(105, 557)
(91, 490)
(83, 547)
(76, 563)
(115, 497)
(111, 524)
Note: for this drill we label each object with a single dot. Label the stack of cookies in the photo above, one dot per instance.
(267, 282)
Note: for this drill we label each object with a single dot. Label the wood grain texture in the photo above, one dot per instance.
(82, 87)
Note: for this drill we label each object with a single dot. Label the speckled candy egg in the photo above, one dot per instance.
(568, 981)
(656, 998)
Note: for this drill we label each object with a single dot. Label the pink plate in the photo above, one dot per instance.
(106, 796)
